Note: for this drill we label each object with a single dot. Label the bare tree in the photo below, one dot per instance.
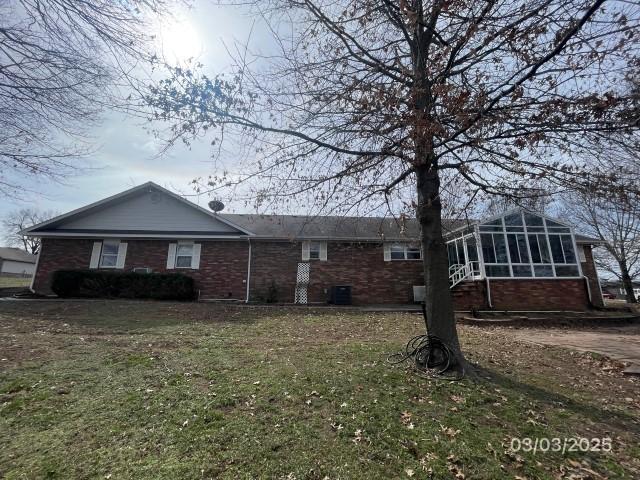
(530, 198)
(60, 64)
(364, 99)
(616, 222)
(16, 221)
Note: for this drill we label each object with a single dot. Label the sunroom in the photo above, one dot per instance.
(517, 244)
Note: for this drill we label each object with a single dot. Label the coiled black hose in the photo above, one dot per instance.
(426, 352)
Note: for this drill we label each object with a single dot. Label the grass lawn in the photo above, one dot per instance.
(12, 282)
(180, 391)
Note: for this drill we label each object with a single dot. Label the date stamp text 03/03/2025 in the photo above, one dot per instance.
(557, 444)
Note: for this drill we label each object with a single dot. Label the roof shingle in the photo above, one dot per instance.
(347, 228)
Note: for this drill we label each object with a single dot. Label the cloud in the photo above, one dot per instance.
(126, 151)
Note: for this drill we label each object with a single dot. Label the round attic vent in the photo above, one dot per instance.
(216, 205)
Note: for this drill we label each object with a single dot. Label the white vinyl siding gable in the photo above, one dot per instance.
(148, 211)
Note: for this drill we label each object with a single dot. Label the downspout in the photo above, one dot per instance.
(483, 271)
(248, 272)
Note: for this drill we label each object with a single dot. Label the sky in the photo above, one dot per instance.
(125, 151)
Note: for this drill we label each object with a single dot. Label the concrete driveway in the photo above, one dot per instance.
(620, 343)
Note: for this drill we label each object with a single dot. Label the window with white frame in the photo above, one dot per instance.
(109, 253)
(526, 245)
(314, 250)
(405, 251)
(184, 255)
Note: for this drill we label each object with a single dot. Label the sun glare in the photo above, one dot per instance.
(179, 41)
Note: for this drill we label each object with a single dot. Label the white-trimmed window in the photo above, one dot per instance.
(402, 251)
(314, 250)
(108, 253)
(184, 255)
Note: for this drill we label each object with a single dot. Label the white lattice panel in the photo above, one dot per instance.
(302, 281)
(301, 295)
(304, 270)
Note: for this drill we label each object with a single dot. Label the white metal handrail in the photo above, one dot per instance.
(459, 272)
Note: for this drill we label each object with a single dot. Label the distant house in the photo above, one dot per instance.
(614, 289)
(17, 263)
(515, 261)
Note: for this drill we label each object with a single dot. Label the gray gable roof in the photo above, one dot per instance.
(333, 227)
(140, 212)
(145, 210)
(16, 255)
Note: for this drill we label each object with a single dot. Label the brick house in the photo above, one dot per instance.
(517, 261)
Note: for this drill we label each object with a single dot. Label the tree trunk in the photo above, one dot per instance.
(439, 304)
(627, 283)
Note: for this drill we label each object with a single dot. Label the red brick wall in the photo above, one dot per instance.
(470, 295)
(60, 254)
(223, 265)
(223, 268)
(360, 265)
(539, 294)
(222, 273)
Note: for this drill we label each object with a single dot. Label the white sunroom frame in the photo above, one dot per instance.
(476, 233)
(463, 237)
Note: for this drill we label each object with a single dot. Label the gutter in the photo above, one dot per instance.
(155, 236)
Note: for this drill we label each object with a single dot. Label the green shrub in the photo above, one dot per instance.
(101, 284)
